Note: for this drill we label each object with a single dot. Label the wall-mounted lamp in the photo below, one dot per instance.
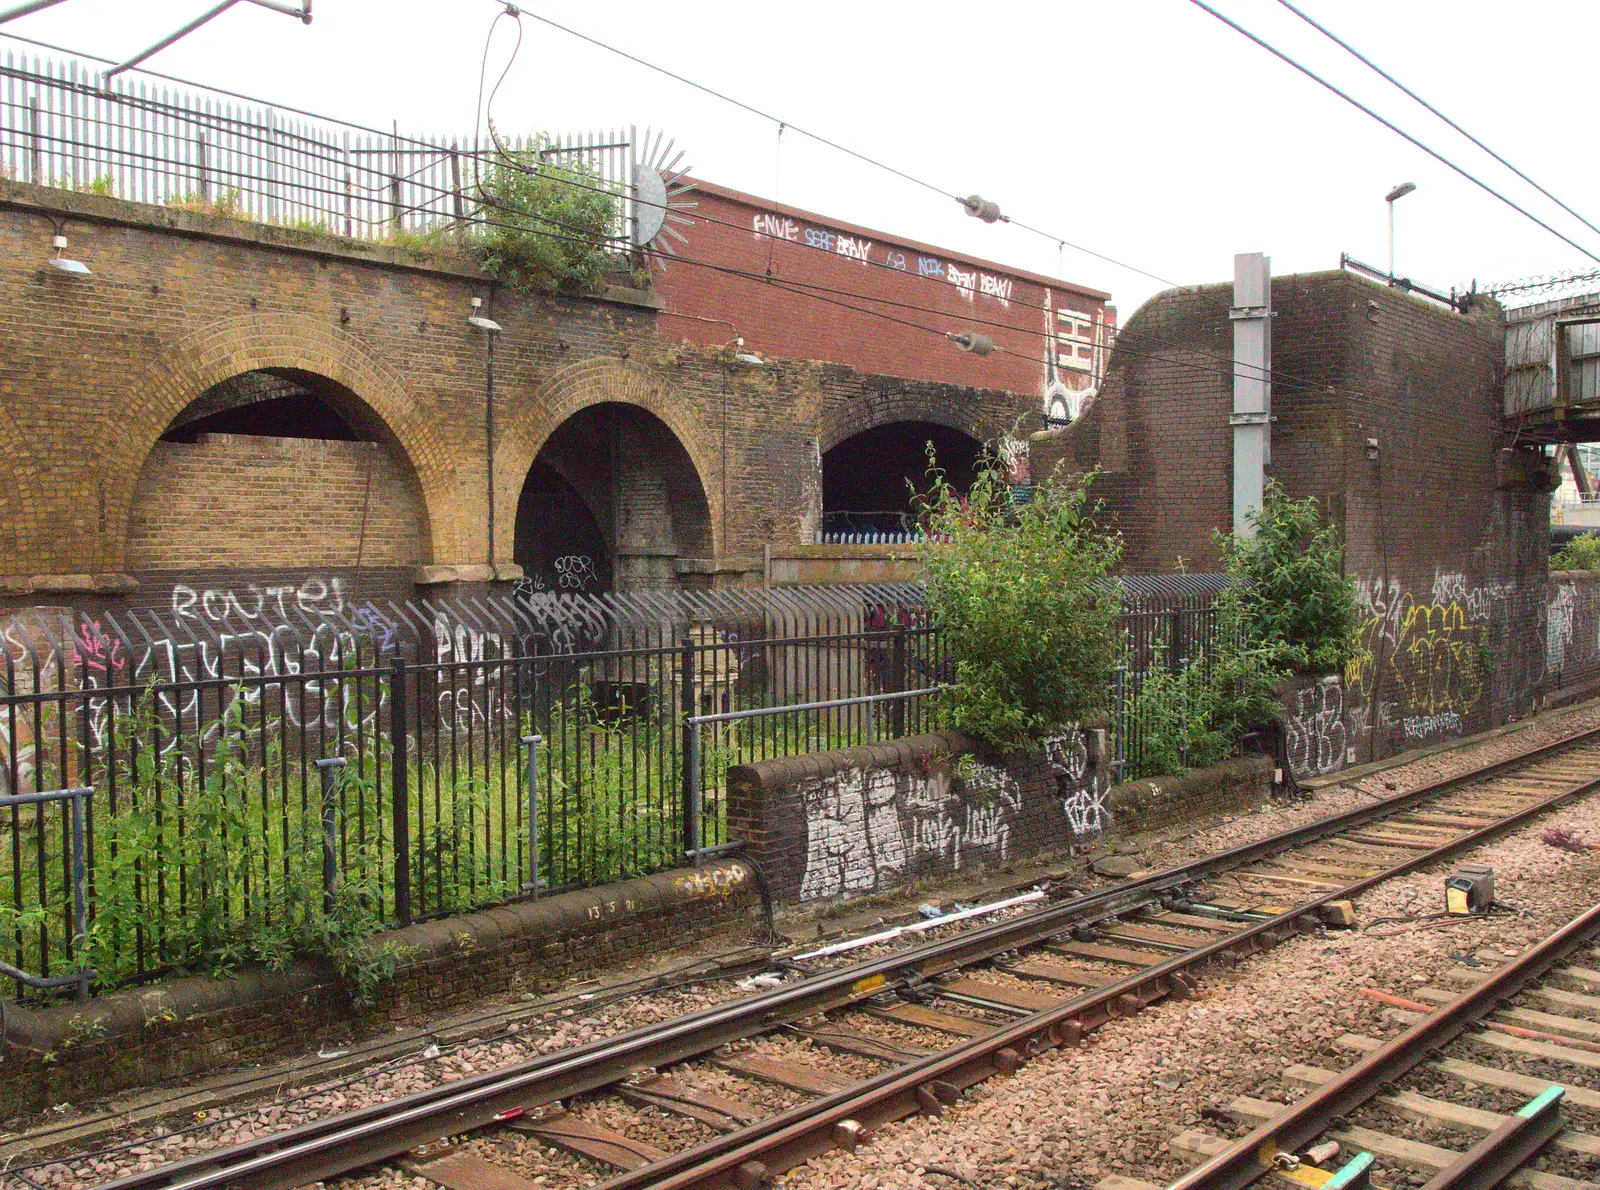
(1372, 448)
(973, 342)
(479, 321)
(747, 357)
(75, 267)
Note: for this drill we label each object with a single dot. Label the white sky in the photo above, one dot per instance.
(1142, 128)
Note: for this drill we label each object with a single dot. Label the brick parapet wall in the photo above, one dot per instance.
(184, 1028)
(854, 821)
(93, 369)
(1151, 804)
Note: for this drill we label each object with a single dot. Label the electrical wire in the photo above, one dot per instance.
(820, 139)
(1391, 126)
(1386, 76)
(803, 288)
(220, 123)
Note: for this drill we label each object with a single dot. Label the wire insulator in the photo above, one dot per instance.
(975, 343)
(982, 208)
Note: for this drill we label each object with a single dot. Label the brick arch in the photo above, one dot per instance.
(256, 342)
(19, 480)
(593, 382)
(965, 413)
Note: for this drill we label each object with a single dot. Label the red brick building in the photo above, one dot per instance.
(811, 270)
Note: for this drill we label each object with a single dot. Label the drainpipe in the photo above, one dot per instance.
(1251, 419)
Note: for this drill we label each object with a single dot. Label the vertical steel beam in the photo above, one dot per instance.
(1251, 420)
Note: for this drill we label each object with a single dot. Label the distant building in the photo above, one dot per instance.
(1053, 334)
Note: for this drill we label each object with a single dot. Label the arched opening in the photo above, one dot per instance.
(612, 501)
(870, 481)
(276, 469)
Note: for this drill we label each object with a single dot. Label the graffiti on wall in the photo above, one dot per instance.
(866, 828)
(1572, 630)
(869, 828)
(1317, 743)
(1435, 652)
(1083, 796)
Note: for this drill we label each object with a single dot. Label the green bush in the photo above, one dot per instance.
(1581, 553)
(544, 232)
(1289, 596)
(1013, 587)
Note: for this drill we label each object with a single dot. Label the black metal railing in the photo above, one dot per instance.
(242, 805)
(481, 763)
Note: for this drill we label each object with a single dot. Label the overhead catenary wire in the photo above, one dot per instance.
(1386, 76)
(1390, 125)
(581, 235)
(966, 202)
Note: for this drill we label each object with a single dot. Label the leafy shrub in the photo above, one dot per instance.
(1030, 635)
(1192, 714)
(1581, 553)
(1289, 595)
(544, 232)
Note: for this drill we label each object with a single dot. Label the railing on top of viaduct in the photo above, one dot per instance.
(201, 741)
(62, 125)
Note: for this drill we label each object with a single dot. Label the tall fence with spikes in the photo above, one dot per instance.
(63, 125)
(432, 755)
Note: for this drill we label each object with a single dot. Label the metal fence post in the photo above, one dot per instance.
(897, 678)
(203, 168)
(80, 899)
(328, 767)
(36, 152)
(532, 742)
(691, 750)
(400, 797)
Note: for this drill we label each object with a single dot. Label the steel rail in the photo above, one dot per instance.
(749, 1157)
(1251, 1157)
(337, 1144)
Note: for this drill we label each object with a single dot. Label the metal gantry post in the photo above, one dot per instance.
(1251, 419)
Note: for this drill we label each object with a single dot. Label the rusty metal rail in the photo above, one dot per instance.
(1299, 1124)
(810, 1129)
(337, 1145)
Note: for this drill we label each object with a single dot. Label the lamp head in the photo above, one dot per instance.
(75, 268)
(1400, 191)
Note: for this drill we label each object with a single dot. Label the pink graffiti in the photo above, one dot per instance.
(96, 649)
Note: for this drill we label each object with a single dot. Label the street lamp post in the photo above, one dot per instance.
(1398, 192)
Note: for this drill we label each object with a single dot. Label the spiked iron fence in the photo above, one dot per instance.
(201, 740)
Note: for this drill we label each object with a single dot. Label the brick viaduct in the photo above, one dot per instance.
(691, 459)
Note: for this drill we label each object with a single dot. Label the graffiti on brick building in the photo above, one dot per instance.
(1572, 630)
(315, 598)
(1434, 653)
(1317, 742)
(576, 572)
(867, 828)
(1424, 727)
(1083, 796)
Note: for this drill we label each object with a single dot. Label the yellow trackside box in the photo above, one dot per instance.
(1470, 890)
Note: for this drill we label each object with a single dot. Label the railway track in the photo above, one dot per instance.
(736, 1094)
(1447, 1076)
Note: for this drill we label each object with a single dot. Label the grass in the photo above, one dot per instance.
(205, 858)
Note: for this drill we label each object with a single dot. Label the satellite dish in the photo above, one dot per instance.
(658, 204)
